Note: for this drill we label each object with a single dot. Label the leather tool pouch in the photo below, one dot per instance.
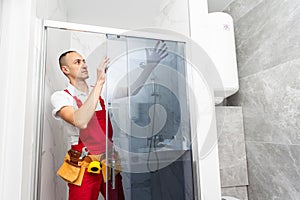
(72, 169)
(107, 172)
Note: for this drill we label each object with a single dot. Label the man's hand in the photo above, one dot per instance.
(157, 54)
(101, 70)
(154, 56)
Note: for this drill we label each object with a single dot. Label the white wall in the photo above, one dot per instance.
(52, 9)
(174, 15)
(17, 54)
(1, 17)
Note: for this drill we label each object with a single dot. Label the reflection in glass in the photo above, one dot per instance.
(151, 126)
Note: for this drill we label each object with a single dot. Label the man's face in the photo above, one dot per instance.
(76, 66)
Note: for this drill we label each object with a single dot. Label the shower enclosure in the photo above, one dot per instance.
(151, 122)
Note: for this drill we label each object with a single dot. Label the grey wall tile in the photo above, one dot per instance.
(231, 143)
(268, 44)
(267, 35)
(271, 104)
(239, 8)
(274, 171)
(240, 192)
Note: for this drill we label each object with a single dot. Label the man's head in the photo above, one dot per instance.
(73, 65)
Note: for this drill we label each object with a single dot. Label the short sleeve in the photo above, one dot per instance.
(60, 99)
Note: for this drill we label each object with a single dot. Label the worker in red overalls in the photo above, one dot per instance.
(83, 110)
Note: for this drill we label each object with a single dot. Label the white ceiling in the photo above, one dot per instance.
(217, 5)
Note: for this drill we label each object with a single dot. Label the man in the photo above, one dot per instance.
(84, 111)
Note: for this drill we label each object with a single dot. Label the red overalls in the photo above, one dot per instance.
(94, 138)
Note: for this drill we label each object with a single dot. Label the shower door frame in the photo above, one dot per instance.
(42, 26)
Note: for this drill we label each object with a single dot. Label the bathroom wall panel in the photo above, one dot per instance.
(270, 101)
(267, 35)
(268, 61)
(239, 192)
(52, 10)
(231, 143)
(238, 8)
(273, 171)
(171, 16)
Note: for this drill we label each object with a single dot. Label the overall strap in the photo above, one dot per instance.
(102, 103)
(80, 145)
(78, 102)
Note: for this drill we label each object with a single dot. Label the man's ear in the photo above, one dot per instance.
(65, 69)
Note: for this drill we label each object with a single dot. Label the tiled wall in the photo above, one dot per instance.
(268, 42)
(232, 153)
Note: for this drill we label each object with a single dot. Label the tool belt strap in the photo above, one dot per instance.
(73, 167)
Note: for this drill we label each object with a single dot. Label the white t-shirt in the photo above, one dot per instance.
(59, 99)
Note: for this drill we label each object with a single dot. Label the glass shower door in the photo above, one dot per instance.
(150, 154)
(148, 108)
(54, 139)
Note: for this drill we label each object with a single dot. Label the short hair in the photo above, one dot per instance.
(62, 58)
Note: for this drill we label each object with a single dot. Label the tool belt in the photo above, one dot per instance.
(73, 168)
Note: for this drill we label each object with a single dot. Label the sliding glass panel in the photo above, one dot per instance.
(150, 117)
(56, 133)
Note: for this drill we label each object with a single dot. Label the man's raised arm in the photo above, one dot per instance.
(81, 117)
